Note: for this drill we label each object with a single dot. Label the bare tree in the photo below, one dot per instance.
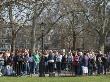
(15, 14)
(99, 20)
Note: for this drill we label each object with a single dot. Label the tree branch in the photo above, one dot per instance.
(91, 24)
(51, 26)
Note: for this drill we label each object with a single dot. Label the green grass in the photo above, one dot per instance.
(57, 79)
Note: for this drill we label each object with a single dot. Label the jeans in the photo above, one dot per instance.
(26, 68)
(1, 66)
(36, 68)
(31, 67)
(104, 67)
(99, 69)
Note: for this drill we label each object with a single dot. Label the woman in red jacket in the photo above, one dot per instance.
(76, 63)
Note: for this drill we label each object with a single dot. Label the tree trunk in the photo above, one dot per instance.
(12, 28)
(33, 44)
(102, 43)
(74, 40)
(13, 43)
(33, 31)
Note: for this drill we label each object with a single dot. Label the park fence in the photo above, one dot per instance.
(44, 69)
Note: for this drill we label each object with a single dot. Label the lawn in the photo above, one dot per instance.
(57, 79)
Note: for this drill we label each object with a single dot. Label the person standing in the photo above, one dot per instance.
(26, 63)
(18, 63)
(1, 63)
(51, 62)
(76, 63)
(36, 59)
(42, 66)
(31, 64)
(64, 62)
(80, 62)
(58, 62)
(99, 62)
(69, 61)
(104, 63)
(85, 63)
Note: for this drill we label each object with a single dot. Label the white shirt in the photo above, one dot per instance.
(59, 58)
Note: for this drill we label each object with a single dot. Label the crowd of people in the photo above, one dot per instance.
(23, 62)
